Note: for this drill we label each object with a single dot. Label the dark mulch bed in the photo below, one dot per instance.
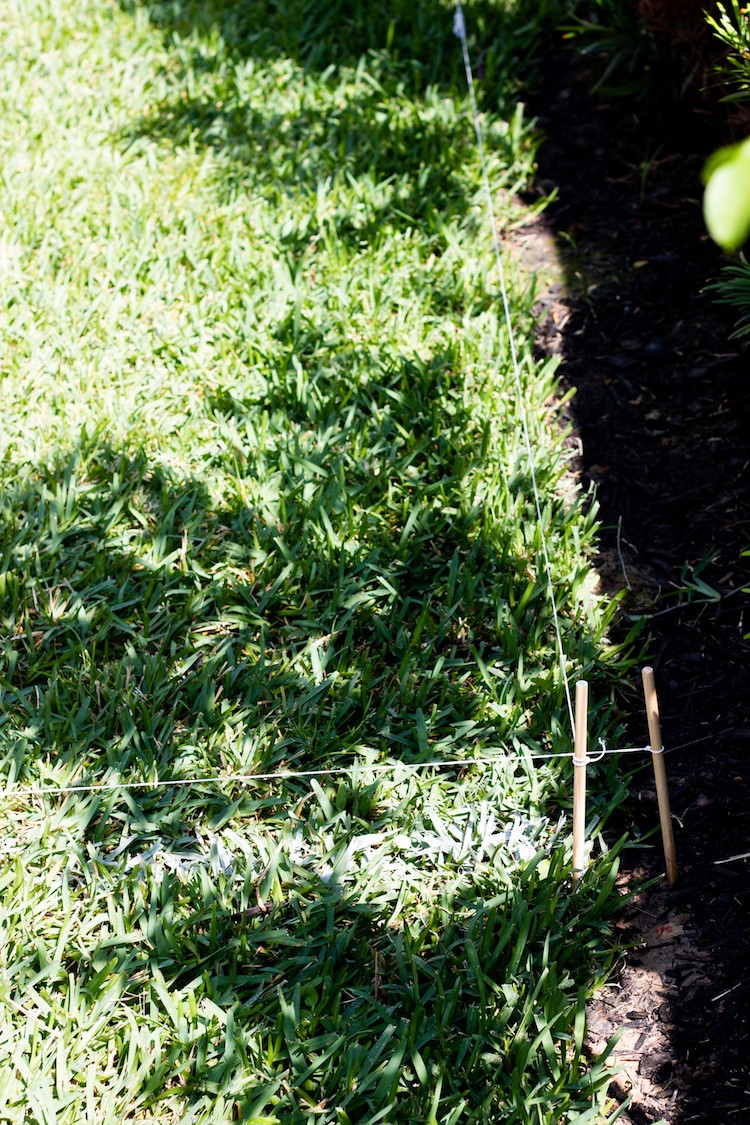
(663, 412)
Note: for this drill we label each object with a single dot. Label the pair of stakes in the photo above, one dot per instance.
(660, 775)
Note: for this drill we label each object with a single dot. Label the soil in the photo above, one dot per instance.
(661, 419)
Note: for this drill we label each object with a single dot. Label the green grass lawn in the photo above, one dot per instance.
(266, 508)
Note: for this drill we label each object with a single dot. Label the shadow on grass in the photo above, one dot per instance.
(150, 632)
(368, 1008)
(354, 107)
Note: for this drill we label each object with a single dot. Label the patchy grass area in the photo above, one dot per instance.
(265, 509)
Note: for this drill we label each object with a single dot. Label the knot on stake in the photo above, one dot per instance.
(592, 759)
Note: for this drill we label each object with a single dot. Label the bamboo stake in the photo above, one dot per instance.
(660, 774)
(579, 779)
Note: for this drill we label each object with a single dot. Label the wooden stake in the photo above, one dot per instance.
(660, 774)
(579, 779)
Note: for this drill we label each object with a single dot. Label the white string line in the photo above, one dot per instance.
(459, 27)
(356, 767)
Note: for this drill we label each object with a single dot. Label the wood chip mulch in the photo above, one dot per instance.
(661, 422)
